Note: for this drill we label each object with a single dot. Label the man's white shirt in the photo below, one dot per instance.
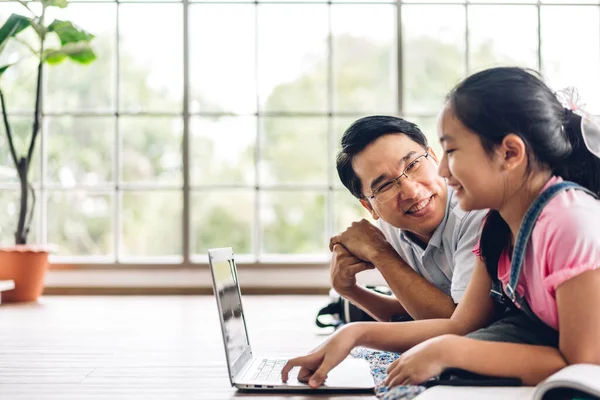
(448, 259)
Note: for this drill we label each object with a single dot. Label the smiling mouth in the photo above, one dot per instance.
(419, 206)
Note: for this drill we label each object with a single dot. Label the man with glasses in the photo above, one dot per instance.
(422, 244)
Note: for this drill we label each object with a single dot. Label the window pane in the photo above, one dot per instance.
(20, 128)
(151, 57)
(347, 209)
(222, 219)
(428, 125)
(570, 54)
(292, 59)
(364, 57)
(80, 223)
(294, 150)
(214, 73)
(293, 222)
(340, 124)
(491, 44)
(19, 81)
(151, 149)
(151, 223)
(80, 150)
(434, 55)
(75, 87)
(222, 150)
(10, 201)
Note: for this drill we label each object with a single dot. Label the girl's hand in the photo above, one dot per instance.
(315, 366)
(423, 361)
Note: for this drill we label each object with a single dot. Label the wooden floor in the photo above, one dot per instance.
(141, 347)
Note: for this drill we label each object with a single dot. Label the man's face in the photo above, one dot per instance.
(420, 205)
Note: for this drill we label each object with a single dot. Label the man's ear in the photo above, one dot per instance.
(365, 203)
(433, 155)
(513, 152)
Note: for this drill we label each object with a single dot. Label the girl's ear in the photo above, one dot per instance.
(513, 152)
(365, 203)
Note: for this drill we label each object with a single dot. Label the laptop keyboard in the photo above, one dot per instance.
(269, 370)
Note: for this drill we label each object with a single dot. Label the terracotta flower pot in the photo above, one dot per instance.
(26, 265)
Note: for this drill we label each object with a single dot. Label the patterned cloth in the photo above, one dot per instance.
(379, 361)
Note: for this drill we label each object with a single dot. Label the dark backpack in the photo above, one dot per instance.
(341, 311)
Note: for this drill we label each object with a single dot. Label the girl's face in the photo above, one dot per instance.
(478, 178)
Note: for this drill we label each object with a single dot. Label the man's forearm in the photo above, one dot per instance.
(530, 363)
(378, 306)
(421, 299)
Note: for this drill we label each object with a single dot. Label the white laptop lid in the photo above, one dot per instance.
(231, 314)
(350, 375)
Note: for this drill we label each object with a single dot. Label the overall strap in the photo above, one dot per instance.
(526, 228)
(513, 297)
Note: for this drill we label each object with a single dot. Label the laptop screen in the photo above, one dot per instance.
(234, 329)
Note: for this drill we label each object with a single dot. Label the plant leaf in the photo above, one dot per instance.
(4, 68)
(69, 33)
(56, 3)
(13, 25)
(80, 52)
(54, 56)
(83, 57)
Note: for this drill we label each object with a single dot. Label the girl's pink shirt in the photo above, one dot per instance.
(565, 242)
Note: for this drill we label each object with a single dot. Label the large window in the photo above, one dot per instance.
(211, 124)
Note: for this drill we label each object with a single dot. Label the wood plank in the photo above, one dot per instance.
(142, 347)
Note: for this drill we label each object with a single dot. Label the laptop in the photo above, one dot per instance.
(249, 371)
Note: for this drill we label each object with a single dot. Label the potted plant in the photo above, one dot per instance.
(55, 41)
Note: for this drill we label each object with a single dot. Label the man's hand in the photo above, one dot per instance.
(362, 239)
(344, 267)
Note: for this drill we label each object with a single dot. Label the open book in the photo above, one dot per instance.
(575, 381)
(579, 381)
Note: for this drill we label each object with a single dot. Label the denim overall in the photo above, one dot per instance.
(512, 298)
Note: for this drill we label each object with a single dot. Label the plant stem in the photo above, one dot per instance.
(31, 212)
(13, 153)
(21, 234)
(21, 165)
(37, 117)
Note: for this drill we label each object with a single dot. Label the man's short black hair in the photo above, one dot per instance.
(362, 133)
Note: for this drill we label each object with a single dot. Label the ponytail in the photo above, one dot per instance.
(580, 166)
(495, 238)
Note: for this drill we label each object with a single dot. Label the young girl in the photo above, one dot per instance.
(506, 139)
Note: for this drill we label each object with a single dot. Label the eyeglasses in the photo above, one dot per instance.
(391, 188)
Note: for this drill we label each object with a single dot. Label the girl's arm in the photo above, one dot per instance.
(579, 324)
(530, 363)
(578, 301)
(474, 311)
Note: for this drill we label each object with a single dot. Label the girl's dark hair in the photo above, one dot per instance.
(498, 101)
